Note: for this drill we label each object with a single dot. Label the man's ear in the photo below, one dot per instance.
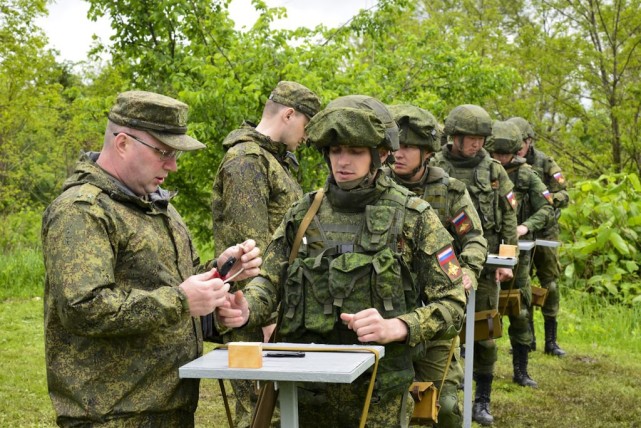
(288, 113)
(120, 144)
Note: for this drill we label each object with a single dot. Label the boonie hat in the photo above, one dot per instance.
(296, 96)
(163, 117)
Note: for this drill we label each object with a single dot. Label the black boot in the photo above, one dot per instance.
(520, 363)
(551, 347)
(481, 409)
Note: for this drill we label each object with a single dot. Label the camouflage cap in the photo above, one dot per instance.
(346, 126)
(163, 117)
(417, 127)
(296, 96)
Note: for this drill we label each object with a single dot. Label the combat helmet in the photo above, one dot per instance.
(524, 126)
(505, 138)
(468, 119)
(365, 102)
(417, 127)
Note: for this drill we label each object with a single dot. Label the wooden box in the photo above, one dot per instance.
(245, 355)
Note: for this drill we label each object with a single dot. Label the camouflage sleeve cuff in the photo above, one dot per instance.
(413, 328)
(183, 300)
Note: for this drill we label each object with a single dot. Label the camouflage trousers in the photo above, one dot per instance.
(174, 419)
(487, 298)
(519, 330)
(340, 405)
(429, 364)
(547, 268)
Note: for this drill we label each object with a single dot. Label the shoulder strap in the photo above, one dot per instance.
(302, 228)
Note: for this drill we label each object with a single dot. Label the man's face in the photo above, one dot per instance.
(467, 146)
(349, 163)
(504, 158)
(143, 170)
(294, 133)
(406, 159)
(526, 146)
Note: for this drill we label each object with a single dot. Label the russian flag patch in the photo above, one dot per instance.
(462, 223)
(449, 263)
(548, 196)
(511, 199)
(559, 177)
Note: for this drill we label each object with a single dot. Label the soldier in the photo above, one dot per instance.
(122, 293)
(464, 158)
(419, 139)
(534, 210)
(255, 177)
(546, 259)
(351, 281)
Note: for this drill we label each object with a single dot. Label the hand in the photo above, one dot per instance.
(268, 330)
(521, 230)
(503, 274)
(204, 293)
(370, 326)
(248, 258)
(467, 281)
(235, 311)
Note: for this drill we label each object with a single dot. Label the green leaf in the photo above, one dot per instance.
(619, 243)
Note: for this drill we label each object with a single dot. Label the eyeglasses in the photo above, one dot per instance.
(165, 155)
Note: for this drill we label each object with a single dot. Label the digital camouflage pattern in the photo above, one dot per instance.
(505, 138)
(348, 126)
(533, 211)
(489, 187)
(296, 96)
(116, 324)
(163, 117)
(358, 250)
(253, 189)
(468, 119)
(417, 127)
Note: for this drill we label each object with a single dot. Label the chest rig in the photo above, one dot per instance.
(348, 262)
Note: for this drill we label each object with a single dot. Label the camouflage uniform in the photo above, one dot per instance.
(534, 210)
(492, 193)
(372, 246)
(253, 189)
(116, 324)
(453, 205)
(546, 259)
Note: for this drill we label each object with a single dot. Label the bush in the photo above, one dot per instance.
(601, 230)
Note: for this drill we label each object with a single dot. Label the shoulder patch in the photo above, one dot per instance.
(449, 263)
(87, 193)
(511, 199)
(462, 223)
(546, 194)
(559, 178)
(417, 204)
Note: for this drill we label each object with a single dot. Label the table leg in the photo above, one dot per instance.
(469, 359)
(288, 399)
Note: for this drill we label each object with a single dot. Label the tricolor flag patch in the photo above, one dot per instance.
(548, 197)
(449, 263)
(511, 199)
(559, 177)
(462, 223)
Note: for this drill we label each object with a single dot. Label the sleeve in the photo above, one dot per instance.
(557, 184)
(507, 205)
(438, 275)
(245, 199)
(468, 232)
(540, 205)
(79, 260)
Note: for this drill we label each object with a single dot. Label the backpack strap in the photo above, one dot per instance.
(302, 228)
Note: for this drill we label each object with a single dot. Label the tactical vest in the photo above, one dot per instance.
(349, 262)
(436, 193)
(521, 180)
(485, 195)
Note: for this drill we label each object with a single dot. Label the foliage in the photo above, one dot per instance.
(600, 231)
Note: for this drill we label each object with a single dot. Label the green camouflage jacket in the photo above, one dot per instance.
(533, 199)
(451, 201)
(491, 191)
(420, 240)
(253, 188)
(550, 173)
(117, 327)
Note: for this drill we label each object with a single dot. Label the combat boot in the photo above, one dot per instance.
(520, 363)
(481, 409)
(551, 347)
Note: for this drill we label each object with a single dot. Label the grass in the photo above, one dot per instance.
(596, 385)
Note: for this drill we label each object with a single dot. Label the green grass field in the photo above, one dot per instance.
(597, 385)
